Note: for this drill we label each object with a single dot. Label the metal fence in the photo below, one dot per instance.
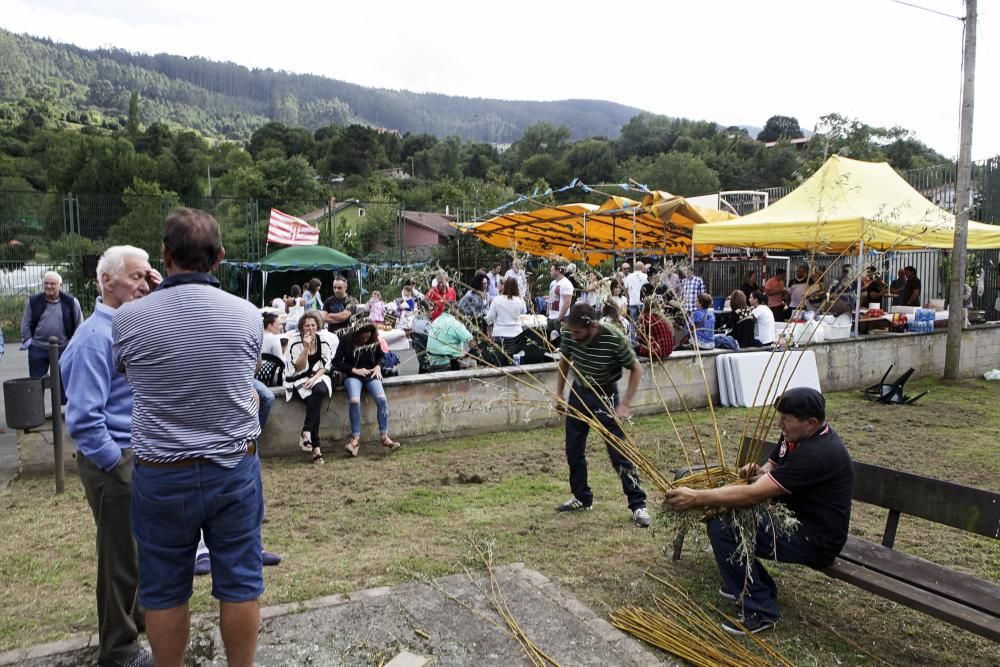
(66, 232)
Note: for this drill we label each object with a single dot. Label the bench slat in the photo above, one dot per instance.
(958, 586)
(947, 610)
(964, 507)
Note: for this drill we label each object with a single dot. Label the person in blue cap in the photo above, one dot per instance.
(811, 473)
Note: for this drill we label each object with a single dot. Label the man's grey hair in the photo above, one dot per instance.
(112, 262)
(52, 274)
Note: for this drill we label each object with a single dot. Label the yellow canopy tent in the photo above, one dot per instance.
(847, 203)
(592, 233)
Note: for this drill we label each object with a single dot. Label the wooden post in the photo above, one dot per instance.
(55, 384)
(953, 347)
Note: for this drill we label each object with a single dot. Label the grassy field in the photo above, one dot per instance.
(377, 520)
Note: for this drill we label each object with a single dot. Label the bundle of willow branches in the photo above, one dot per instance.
(679, 626)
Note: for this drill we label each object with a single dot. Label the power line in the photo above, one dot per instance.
(928, 9)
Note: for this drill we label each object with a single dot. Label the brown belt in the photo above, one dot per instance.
(181, 463)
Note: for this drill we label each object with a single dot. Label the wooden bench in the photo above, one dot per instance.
(955, 597)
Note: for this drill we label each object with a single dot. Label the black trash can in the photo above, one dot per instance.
(24, 403)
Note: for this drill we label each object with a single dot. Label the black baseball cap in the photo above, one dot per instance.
(802, 402)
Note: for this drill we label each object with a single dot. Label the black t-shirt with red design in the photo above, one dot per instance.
(818, 476)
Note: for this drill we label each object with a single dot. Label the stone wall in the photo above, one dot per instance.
(427, 407)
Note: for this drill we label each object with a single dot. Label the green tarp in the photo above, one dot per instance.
(305, 258)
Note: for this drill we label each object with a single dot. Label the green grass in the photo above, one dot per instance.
(378, 520)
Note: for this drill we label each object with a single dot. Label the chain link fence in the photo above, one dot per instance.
(66, 232)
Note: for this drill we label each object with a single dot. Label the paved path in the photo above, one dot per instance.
(14, 364)
(374, 626)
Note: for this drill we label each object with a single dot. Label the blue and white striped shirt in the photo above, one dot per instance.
(189, 351)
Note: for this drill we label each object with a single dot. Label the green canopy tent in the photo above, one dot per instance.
(300, 258)
(307, 258)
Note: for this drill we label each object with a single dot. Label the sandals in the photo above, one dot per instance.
(305, 442)
(389, 443)
(352, 446)
(318, 459)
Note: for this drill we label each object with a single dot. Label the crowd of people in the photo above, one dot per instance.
(167, 415)
(659, 309)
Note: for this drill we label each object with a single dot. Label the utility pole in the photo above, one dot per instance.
(963, 195)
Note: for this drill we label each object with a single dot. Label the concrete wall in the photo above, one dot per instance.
(426, 407)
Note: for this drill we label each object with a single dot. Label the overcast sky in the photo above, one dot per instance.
(731, 61)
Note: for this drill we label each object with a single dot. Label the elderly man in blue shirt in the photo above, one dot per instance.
(98, 416)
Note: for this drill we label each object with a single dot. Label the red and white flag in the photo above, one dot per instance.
(289, 230)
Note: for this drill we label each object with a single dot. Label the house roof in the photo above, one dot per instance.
(436, 222)
(320, 213)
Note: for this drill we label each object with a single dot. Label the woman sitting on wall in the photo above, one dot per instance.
(360, 359)
(763, 328)
(308, 369)
(740, 319)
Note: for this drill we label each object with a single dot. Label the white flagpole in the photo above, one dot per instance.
(857, 287)
(263, 287)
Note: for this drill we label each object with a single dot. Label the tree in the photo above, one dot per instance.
(680, 174)
(157, 138)
(132, 127)
(442, 160)
(544, 167)
(539, 139)
(414, 143)
(592, 160)
(780, 127)
(478, 159)
(291, 180)
(142, 225)
(271, 135)
(842, 135)
(647, 135)
(357, 150)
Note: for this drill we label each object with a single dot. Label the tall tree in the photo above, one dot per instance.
(680, 174)
(780, 127)
(132, 126)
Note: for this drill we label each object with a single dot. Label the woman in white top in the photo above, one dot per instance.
(294, 307)
(504, 314)
(308, 365)
(272, 343)
(763, 327)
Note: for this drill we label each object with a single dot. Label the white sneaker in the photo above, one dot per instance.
(642, 518)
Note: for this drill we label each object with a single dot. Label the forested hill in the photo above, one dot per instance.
(230, 101)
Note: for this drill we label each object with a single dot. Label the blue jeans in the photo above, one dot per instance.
(38, 366)
(761, 592)
(266, 398)
(374, 387)
(38, 362)
(172, 505)
(585, 402)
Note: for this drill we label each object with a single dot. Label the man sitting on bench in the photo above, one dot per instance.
(810, 472)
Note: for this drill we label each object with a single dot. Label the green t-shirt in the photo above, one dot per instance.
(601, 361)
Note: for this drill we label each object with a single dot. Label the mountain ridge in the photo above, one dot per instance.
(228, 100)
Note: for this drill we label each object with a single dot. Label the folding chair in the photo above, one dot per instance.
(892, 393)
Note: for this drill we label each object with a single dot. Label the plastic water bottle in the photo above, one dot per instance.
(517, 358)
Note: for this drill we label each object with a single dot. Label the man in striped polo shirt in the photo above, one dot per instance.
(189, 351)
(597, 355)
